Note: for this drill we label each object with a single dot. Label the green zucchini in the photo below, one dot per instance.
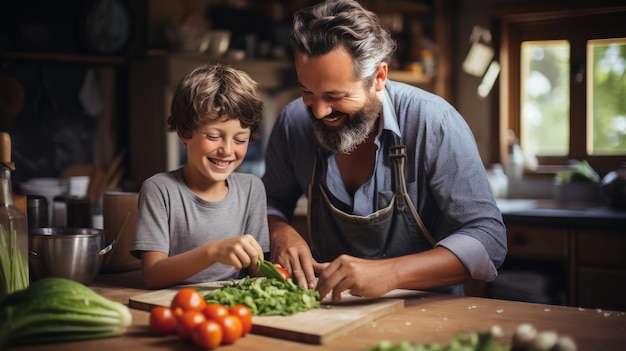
(57, 310)
(268, 270)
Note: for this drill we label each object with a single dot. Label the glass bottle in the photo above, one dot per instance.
(498, 181)
(13, 237)
(514, 167)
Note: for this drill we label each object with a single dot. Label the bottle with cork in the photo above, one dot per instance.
(14, 273)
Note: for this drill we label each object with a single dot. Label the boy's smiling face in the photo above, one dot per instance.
(214, 151)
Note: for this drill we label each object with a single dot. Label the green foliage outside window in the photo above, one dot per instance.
(609, 98)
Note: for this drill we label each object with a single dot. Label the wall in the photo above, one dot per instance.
(476, 110)
(479, 112)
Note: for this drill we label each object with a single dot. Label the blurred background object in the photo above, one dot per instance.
(614, 187)
(11, 100)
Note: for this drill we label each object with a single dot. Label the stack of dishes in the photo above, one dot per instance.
(47, 187)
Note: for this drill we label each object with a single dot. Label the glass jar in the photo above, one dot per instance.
(14, 274)
(498, 181)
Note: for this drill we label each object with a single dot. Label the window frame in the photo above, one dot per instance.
(553, 22)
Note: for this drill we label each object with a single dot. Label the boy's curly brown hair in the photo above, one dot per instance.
(215, 92)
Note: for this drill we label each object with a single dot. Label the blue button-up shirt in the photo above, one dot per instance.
(446, 179)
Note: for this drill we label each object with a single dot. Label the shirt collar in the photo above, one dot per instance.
(390, 121)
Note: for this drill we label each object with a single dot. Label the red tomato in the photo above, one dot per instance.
(232, 329)
(187, 322)
(215, 311)
(283, 272)
(245, 316)
(162, 320)
(207, 335)
(187, 299)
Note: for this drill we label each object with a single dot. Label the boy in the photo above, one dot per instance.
(203, 222)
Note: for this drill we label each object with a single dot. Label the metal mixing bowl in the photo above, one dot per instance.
(72, 253)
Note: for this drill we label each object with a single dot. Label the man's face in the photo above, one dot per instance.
(344, 111)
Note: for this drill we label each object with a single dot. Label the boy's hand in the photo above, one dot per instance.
(240, 252)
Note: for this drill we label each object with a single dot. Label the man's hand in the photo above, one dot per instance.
(292, 252)
(361, 277)
(372, 278)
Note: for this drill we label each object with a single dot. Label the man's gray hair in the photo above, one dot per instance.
(321, 28)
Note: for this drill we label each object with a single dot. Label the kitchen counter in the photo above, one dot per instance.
(550, 212)
(543, 211)
(575, 247)
(426, 318)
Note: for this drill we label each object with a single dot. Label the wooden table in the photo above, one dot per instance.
(426, 318)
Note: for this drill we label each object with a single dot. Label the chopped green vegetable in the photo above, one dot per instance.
(525, 338)
(476, 341)
(265, 296)
(57, 309)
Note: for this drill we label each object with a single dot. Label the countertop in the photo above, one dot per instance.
(426, 318)
(550, 212)
(546, 212)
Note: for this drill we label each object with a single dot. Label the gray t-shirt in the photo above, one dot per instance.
(173, 220)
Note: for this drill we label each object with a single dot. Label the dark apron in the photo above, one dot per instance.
(396, 230)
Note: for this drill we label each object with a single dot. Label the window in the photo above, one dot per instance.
(606, 96)
(563, 86)
(544, 97)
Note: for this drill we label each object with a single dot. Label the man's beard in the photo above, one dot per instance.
(352, 132)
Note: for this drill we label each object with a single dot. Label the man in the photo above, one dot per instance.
(398, 195)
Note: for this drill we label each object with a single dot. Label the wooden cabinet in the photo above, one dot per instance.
(601, 269)
(601, 288)
(537, 265)
(592, 261)
(601, 248)
(538, 242)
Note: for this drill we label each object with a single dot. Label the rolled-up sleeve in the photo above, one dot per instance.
(472, 254)
(469, 223)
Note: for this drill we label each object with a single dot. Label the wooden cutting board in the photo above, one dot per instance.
(315, 326)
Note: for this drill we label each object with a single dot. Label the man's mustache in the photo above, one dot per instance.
(331, 115)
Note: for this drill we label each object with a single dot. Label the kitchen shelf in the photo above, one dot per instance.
(64, 58)
(401, 6)
(410, 77)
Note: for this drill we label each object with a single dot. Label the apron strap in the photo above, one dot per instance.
(397, 155)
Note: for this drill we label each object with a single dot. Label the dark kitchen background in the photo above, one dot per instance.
(70, 63)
